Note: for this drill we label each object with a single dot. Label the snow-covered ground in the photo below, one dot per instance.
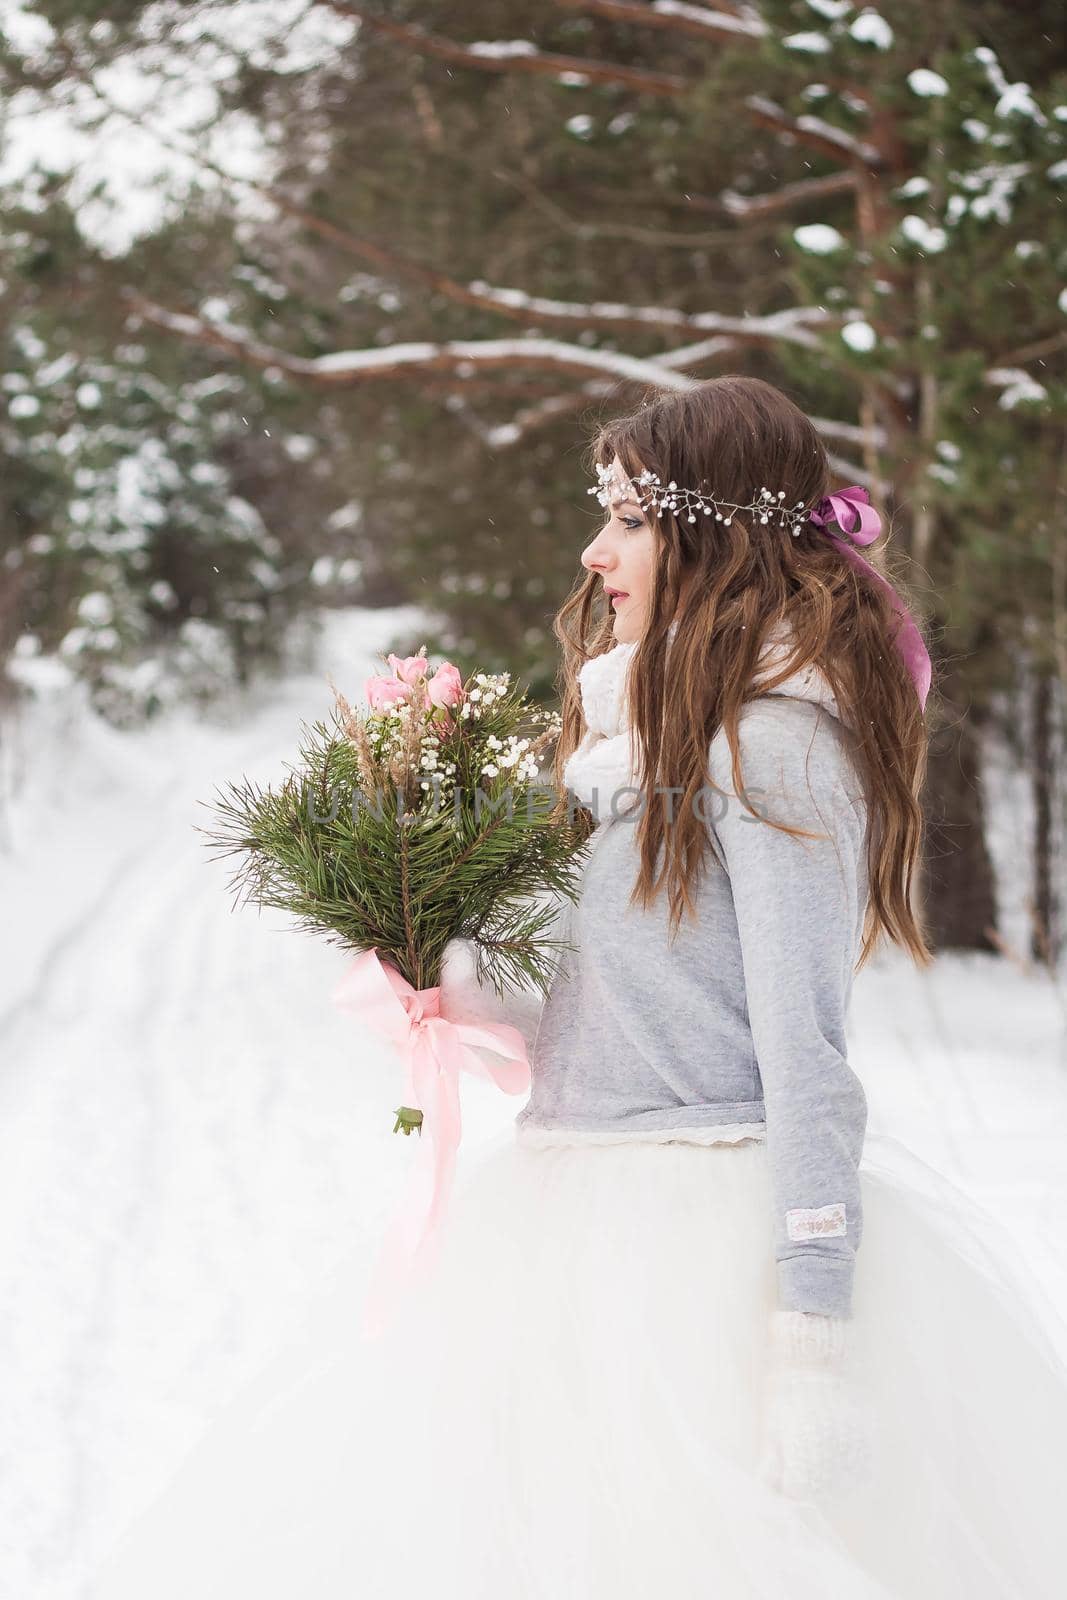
(192, 1135)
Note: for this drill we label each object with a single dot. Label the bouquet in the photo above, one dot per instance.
(418, 820)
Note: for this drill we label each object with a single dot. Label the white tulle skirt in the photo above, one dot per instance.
(569, 1407)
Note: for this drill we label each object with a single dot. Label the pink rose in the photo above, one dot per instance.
(409, 669)
(446, 686)
(443, 689)
(381, 693)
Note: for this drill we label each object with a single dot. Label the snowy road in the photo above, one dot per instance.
(192, 1135)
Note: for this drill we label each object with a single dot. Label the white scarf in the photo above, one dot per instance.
(604, 760)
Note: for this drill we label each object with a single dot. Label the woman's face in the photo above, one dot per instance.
(624, 555)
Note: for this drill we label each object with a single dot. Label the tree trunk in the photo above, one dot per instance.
(1044, 943)
(958, 883)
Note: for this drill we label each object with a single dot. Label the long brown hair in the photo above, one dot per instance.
(727, 435)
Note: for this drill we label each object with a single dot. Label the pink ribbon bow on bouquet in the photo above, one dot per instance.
(852, 511)
(433, 1052)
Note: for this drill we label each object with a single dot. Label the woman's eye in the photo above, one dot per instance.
(631, 524)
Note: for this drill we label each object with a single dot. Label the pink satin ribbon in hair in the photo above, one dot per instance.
(433, 1052)
(852, 511)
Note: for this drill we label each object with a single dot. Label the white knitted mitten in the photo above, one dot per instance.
(817, 1438)
(464, 999)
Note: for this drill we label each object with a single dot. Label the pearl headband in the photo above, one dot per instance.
(674, 499)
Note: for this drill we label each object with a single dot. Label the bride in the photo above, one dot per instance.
(691, 1331)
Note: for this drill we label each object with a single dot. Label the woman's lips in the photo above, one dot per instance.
(615, 598)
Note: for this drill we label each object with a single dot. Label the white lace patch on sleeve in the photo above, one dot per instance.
(821, 1223)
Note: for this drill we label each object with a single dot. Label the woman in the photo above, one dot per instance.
(653, 1355)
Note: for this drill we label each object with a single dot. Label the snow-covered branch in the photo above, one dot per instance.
(735, 22)
(460, 358)
(814, 132)
(793, 326)
(747, 207)
(463, 359)
(513, 55)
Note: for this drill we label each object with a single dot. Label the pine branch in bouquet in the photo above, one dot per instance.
(421, 819)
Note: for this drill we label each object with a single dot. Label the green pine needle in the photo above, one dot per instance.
(387, 868)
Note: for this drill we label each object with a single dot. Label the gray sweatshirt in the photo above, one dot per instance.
(741, 1024)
